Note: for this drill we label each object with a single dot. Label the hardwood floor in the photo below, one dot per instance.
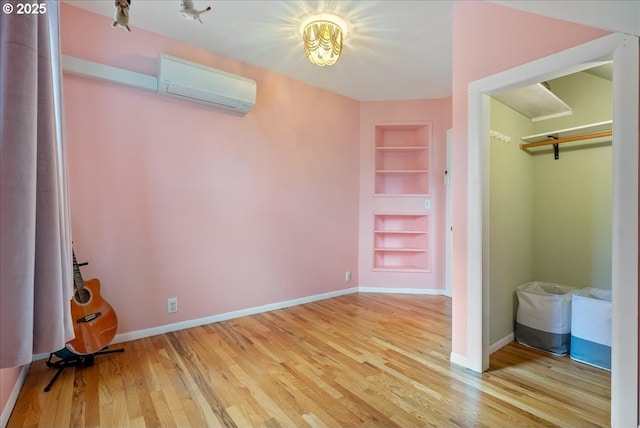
(375, 360)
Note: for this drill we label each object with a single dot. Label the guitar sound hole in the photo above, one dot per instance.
(82, 295)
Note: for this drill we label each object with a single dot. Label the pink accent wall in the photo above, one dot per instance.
(438, 113)
(223, 211)
(487, 39)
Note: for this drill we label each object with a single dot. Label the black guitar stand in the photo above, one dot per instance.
(67, 358)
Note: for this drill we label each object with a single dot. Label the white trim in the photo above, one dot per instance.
(502, 343)
(624, 48)
(448, 242)
(446, 292)
(387, 290)
(477, 231)
(624, 248)
(167, 328)
(13, 398)
(458, 360)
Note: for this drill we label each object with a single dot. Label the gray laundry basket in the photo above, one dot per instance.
(543, 320)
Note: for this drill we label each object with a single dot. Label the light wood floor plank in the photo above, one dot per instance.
(360, 360)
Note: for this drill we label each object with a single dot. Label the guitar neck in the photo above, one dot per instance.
(77, 276)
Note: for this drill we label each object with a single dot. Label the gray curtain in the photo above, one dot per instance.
(36, 281)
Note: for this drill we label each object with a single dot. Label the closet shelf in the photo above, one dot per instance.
(578, 133)
(569, 132)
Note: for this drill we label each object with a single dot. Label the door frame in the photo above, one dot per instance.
(448, 233)
(623, 49)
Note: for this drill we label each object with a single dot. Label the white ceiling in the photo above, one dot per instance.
(395, 49)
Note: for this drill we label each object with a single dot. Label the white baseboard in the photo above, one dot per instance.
(462, 361)
(501, 343)
(429, 291)
(13, 398)
(459, 360)
(167, 328)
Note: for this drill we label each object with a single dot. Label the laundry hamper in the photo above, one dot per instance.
(591, 327)
(543, 319)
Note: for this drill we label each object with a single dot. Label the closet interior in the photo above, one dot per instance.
(550, 189)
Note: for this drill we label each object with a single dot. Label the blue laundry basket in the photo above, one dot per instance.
(591, 327)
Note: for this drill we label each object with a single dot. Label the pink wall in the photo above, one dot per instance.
(438, 113)
(225, 212)
(487, 39)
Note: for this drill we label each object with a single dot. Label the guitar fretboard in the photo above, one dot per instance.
(77, 276)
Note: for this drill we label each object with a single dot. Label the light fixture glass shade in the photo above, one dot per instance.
(322, 36)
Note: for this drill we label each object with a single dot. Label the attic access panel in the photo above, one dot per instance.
(536, 102)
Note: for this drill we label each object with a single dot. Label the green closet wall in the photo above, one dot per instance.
(550, 220)
(572, 195)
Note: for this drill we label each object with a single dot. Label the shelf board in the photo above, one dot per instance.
(402, 171)
(402, 232)
(569, 132)
(401, 195)
(402, 148)
(401, 250)
(401, 269)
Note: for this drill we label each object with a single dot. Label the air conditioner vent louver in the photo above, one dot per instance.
(194, 82)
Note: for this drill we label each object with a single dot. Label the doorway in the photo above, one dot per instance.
(623, 49)
(550, 192)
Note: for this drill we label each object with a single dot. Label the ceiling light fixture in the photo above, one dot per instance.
(322, 35)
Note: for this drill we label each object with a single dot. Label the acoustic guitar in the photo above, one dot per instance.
(94, 320)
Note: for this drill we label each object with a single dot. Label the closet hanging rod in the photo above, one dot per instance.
(524, 146)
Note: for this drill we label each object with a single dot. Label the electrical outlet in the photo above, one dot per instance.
(347, 276)
(172, 305)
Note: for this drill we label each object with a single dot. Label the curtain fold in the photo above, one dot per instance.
(35, 244)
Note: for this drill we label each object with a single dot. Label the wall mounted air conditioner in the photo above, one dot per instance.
(197, 83)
